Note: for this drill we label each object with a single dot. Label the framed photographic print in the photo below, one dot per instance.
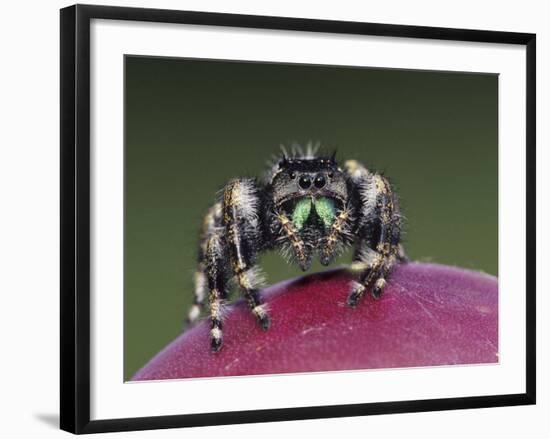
(274, 218)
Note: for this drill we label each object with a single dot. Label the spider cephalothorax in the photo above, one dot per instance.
(306, 206)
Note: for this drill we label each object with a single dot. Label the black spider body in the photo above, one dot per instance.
(307, 206)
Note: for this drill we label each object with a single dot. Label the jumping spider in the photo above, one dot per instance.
(306, 204)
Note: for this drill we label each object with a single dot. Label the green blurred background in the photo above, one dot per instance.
(193, 124)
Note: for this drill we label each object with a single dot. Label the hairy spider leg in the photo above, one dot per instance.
(211, 220)
(391, 249)
(240, 217)
(378, 201)
(218, 278)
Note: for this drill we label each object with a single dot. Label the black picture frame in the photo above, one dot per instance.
(75, 217)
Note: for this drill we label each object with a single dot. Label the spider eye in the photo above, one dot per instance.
(304, 182)
(330, 174)
(292, 175)
(320, 182)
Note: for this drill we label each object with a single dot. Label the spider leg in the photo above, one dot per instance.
(217, 276)
(380, 212)
(392, 253)
(240, 216)
(212, 219)
(370, 267)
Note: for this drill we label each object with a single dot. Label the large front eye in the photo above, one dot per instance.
(304, 182)
(320, 181)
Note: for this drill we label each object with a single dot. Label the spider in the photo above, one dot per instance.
(306, 205)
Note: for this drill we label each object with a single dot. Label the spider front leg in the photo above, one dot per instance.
(374, 270)
(375, 264)
(241, 204)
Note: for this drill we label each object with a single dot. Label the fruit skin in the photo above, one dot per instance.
(428, 315)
